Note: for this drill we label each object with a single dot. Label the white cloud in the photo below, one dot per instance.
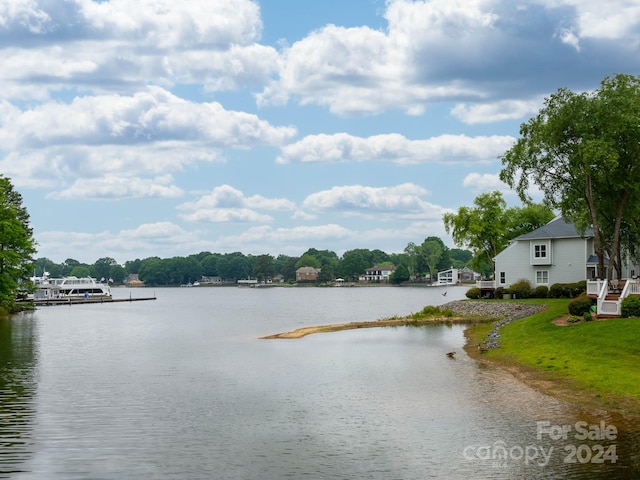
(394, 148)
(228, 204)
(163, 239)
(484, 182)
(462, 51)
(111, 187)
(119, 45)
(401, 201)
(149, 133)
(496, 111)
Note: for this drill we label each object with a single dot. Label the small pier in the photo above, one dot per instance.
(82, 300)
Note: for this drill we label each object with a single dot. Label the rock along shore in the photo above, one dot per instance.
(506, 312)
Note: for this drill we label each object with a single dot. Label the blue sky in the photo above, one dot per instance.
(163, 128)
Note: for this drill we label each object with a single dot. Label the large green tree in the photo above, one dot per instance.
(17, 245)
(582, 151)
(487, 227)
(263, 267)
(430, 253)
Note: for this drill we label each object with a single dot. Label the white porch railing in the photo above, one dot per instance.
(594, 286)
(483, 284)
(602, 289)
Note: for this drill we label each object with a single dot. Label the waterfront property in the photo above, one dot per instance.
(558, 253)
(378, 273)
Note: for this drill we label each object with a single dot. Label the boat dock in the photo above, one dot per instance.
(81, 300)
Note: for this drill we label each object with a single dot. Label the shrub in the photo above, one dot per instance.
(521, 289)
(568, 290)
(473, 293)
(573, 319)
(630, 307)
(541, 291)
(580, 305)
(498, 292)
(587, 317)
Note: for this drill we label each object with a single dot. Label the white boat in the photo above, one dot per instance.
(70, 287)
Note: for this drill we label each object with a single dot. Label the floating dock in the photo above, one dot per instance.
(82, 300)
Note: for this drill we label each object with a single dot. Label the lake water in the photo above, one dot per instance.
(181, 387)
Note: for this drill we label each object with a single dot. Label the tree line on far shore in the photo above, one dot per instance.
(416, 262)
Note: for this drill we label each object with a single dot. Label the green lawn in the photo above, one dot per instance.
(600, 358)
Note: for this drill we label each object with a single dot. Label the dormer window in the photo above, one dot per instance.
(541, 252)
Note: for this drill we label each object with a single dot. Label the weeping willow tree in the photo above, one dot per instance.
(582, 151)
(16, 244)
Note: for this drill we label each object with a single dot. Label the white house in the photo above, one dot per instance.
(553, 253)
(454, 276)
(378, 273)
(557, 253)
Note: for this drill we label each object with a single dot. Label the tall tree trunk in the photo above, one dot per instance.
(615, 256)
(597, 234)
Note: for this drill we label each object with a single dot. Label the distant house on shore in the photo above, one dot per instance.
(307, 274)
(378, 273)
(455, 276)
(132, 280)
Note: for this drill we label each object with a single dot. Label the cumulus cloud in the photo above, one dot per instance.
(111, 187)
(163, 239)
(484, 182)
(228, 204)
(460, 51)
(150, 133)
(118, 44)
(395, 148)
(496, 111)
(400, 201)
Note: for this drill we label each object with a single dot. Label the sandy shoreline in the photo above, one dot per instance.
(465, 312)
(399, 322)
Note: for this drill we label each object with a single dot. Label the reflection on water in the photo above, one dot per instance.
(182, 388)
(18, 384)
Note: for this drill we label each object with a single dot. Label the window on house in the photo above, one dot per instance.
(542, 277)
(503, 278)
(540, 251)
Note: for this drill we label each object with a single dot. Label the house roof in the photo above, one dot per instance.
(556, 228)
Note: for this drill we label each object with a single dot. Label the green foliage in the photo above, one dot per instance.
(573, 319)
(473, 293)
(16, 244)
(399, 275)
(541, 291)
(582, 151)
(308, 260)
(587, 317)
(567, 290)
(488, 226)
(630, 307)
(579, 306)
(498, 292)
(431, 311)
(521, 288)
(263, 268)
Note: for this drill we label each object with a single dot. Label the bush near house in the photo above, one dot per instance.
(580, 305)
(567, 290)
(473, 293)
(498, 292)
(630, 307)
(541, 291)
(521, 288)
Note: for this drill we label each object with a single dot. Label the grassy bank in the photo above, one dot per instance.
(594, 363)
